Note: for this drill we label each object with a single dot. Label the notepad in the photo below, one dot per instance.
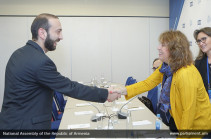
(83, 112)
(122, 102)
(143, 122)
(136, 109)
(78, 126)
(82, 104)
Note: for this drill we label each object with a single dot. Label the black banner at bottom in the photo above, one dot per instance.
(101, 134)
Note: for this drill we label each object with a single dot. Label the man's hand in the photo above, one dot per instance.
(113, 96)
(117, 89)
(116, 92)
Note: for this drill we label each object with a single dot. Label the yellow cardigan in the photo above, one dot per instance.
(190, 106)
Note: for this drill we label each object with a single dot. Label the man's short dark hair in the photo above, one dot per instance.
(41, 21)
(155, 60)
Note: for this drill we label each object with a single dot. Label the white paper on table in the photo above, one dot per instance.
(78, 126)
(82, 104)
(136, 109)
(113, 85)
(143, 122)
(83, 112)
(122, 102)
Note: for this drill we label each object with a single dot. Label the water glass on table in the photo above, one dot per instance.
(99, 120)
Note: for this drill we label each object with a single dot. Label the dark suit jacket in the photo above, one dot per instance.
(201, 65)
(30, 79)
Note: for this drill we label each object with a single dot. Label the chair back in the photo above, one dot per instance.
(130, 81)
(54, 111)
(153, 97)
(147, 102)
(59, 98)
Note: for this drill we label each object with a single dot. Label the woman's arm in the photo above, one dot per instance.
(153, 80)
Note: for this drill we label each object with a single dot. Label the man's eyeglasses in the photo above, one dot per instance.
(154, 68)
(203, 40)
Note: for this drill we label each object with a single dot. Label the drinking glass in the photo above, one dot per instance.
(99, 120)
(129, 120)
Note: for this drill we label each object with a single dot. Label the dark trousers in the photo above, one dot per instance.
(170, 123)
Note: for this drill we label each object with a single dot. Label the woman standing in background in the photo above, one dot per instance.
(203, 60)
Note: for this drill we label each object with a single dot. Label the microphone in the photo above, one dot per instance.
(95, 118)
(123, 115)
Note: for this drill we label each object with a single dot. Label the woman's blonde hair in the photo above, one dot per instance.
(207, 31)
(179, 49)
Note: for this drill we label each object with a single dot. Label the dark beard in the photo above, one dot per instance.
(49, 44)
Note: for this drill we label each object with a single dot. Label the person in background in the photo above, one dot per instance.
(156, 63)
(31, 78)
(183, 100)
(203, 60)
(154, 94)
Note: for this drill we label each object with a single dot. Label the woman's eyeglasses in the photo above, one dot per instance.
(203, 40)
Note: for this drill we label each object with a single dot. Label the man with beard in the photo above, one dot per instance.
(31, 78)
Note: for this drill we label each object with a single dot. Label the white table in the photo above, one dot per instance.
(139, 113)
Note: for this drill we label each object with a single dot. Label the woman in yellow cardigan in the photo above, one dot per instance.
(183, 94)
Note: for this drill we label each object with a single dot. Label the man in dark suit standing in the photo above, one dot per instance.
(31, 77)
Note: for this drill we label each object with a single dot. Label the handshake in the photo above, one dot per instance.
(115, 92)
